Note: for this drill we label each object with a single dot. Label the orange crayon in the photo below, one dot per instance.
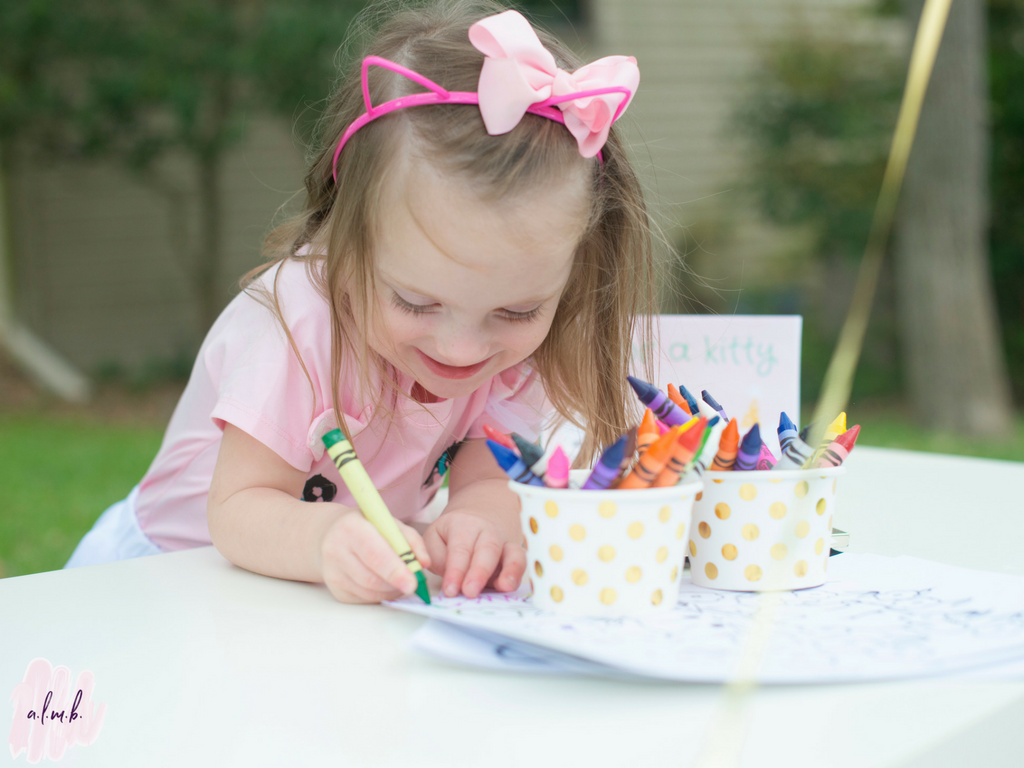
(729, 446)
(650, 463)
(648, 431)
(678, 399)
(683, 451)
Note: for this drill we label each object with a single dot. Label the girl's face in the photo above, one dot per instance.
(468, 288)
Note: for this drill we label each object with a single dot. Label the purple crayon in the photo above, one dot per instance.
(766, 459)
(787, 431)
(513, 465)
(607, 469)
(659, 403)
(714, 404)
(750, 450)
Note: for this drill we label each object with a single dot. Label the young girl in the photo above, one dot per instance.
(460, 261)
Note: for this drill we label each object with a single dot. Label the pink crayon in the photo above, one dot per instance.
(767, 459)
(662, 428)
(557, 475)
(839, 449)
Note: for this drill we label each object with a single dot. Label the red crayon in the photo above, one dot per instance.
(839, 449)
(500, 438)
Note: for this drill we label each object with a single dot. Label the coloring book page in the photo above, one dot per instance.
(749, 363)
(877, 618)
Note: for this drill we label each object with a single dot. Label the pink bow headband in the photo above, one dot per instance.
(519, 76)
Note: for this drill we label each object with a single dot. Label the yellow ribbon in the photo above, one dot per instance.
(722, 746)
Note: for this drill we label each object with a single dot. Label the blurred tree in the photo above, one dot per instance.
(956, 374)
(134, 79)
(820, 117)
(1006, 84)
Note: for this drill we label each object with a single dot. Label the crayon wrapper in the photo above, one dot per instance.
(371, 504)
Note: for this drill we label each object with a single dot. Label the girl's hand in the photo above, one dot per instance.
(359, 566)
(472, 551)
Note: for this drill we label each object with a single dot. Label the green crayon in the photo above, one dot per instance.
(372, 505)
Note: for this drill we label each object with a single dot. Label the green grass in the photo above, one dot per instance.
(891, 428)
(57, 475)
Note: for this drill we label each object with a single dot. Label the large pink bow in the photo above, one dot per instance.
(520, 72)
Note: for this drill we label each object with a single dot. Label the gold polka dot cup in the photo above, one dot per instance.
(605, 553)
(763, 531)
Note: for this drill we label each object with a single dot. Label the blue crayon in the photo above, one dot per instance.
(750, 450)
(714, 404)
(787, 431)
(796, 454)
(670, 413)
(513, 465)
(689, 398)
(607, 469)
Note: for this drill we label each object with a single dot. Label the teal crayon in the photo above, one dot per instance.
(689, 398)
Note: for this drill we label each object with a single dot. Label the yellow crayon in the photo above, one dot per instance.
(834, 430)
(371, 504)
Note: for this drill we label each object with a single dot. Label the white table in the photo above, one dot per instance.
(202, 663)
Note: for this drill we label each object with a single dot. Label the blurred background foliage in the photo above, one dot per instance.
(819, 117)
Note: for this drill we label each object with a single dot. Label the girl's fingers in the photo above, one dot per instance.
(373, 551)
(513, 566)
(486, 555)
(458, 555)
(436, 549)
(419, 547)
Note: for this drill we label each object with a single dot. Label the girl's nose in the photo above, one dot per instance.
(460, 345)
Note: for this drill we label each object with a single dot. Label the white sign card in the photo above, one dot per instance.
(749, 363)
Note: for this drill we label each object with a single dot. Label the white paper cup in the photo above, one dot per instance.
(605, 553)
(763, 531)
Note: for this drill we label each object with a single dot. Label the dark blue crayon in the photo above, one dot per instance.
(689, 398)
(750, 450)
(513, 465)
(663, 408)
(805, 433)
(607, 469)
(714, 404)
(531, 452)
(787, 431)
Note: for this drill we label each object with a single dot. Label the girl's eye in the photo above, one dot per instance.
(412, 309)
(520, 317)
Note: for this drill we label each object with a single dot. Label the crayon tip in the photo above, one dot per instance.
(785, 422)
(502, 455)
(531, 452)
(612, 457)
(805, 433)
(849, 438)
(642, 388)
(731, 436)
(649, 424)
(421, 587)
(710, 400)
(752, 439)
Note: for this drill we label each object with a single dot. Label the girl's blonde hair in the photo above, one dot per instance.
(610, 294)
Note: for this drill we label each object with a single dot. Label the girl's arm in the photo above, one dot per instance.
(258, 522)
(477, 540)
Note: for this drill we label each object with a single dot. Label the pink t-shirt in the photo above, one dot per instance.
(247, 374)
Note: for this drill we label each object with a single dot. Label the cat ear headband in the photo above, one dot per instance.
(519, 76)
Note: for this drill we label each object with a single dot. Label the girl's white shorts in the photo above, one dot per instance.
(115, 536)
